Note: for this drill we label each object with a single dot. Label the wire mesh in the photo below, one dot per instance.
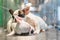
(48, 10)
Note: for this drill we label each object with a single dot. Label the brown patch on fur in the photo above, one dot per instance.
(31, 22)
(26, 9)
(20, 11)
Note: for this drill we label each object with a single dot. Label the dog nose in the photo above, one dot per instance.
(21, 15)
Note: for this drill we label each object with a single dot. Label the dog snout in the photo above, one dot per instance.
(21, 14)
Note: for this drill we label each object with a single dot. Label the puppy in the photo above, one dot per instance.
(11, 24)
(36, 22)
(23, 25)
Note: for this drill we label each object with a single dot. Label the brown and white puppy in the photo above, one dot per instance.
(11, 25)
(36, 22)
(12, 20)
(21, 27)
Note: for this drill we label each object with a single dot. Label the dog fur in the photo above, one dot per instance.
(35, 21)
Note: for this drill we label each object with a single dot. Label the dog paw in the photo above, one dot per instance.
(36, 33)
(42, 30)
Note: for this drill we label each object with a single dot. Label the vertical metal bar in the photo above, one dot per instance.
(57, 38)
(46, 35)
(58, 19)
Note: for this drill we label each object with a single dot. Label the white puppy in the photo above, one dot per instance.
(21, 27)
(35, 21)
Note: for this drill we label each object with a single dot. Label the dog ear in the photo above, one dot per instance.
(11, 11)
(26, 9)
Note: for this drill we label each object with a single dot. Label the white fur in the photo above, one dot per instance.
(22, 27)
(31, 19)
(38, 21)
(11, 25)
(34, 21)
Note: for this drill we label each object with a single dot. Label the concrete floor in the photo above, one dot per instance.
(51, 34)
(3, 36)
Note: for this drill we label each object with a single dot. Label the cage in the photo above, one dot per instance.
(46, 9)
